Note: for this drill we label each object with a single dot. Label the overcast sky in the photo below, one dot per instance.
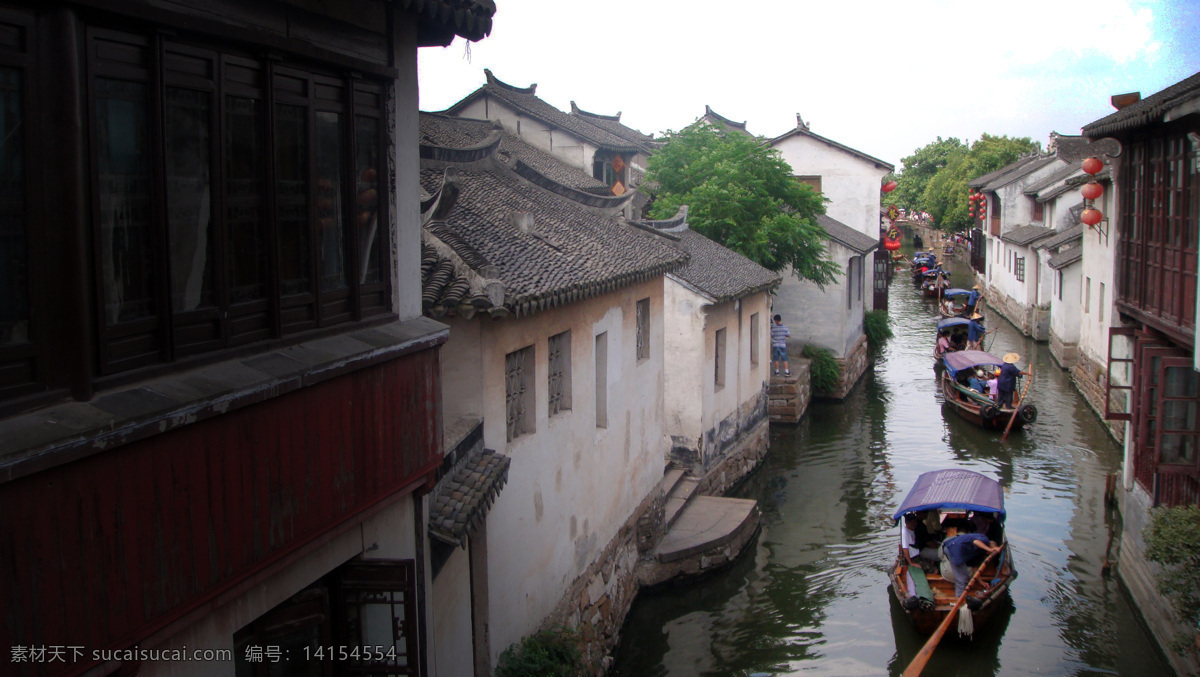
(884, 78)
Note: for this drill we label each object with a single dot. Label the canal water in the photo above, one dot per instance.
(811, 594)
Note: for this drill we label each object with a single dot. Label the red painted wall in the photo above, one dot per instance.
(103, 552)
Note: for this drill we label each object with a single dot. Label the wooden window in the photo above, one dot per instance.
(719, 351)
(1037, 208)
(558, 361)
(1087, 296)
(221, 219)
(519, 392)
(1058, 280)
(643, 329)
(1100, 305)
(755, 334)
(601, 358)
(298, 627)
(1019, 268)
(812, 181)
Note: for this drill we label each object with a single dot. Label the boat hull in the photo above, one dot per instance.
(990, 595)
(976, 413)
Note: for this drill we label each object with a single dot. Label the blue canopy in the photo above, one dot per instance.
(969, 359)
(955, 291)
(947, 322)
(954, 489)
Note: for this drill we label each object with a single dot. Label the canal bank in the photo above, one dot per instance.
(811, 595)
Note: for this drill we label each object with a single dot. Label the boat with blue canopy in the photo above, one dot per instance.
(979, 408)
(943, 504)
(954, 302)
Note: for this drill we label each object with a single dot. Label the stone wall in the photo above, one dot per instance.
(1137, 573)
(1066, 354)
(788, 396)
(738, 462)
(852, 368)
(1090, 379)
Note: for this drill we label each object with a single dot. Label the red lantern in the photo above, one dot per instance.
(889, 186)
(891, 245)
(1092, 190)
(1091, 216)
(1092, 165)
(970, 190)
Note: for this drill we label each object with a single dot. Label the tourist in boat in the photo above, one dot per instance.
(985, 523)
(1006, 378)
(993, 385)
(943, 344)
(978, 382)
(975, 332)
(963, 552)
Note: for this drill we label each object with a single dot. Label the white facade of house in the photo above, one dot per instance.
(832, 317)
(696, 403)
(577, 478)
(566, 146)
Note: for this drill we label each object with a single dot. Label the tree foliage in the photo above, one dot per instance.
(741, 194)
(1173, 540)
(921, 167)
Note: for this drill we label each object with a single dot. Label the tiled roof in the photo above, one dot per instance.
(1066, 257)
(1024, 235)
(713, 118)
(1072, 234)
(508, 239)
(802, 129)
(1057, 176)
(1066, 145)
(1006, 175)
(714, 270)
(443, 19)
(847, 236)
(526, 101)
(1149, 109)
(612, 124)
(981, 181)
(461, 499)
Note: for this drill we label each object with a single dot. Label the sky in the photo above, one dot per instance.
(884, 78)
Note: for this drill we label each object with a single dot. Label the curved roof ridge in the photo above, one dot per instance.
(493, 80)
(709, 111)
(606, 202)
(675, 224)
(576, 110)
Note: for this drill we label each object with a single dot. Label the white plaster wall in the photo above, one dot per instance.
(821, 317)
(406, 250)
(1099, 257)
(684, 384)
(462, 370)
(571, 484)
(564, 145)
(1023, 293)
(850, 183)
(752, 376)
(1064, 312)
(452, 634)
(389, 534)
(725, 400)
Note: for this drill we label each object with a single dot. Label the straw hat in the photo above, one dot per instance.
(976, 287)
(1012, 358)
(977, 316)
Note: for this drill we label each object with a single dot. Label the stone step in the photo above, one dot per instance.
(707, 522)
(678, 498)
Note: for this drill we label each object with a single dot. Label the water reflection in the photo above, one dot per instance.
(812, 595)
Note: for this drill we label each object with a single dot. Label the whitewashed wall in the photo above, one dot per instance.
(563, 145)
(824, 318)
(849, 182)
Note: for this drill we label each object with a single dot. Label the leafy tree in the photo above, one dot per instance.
(741, 194)
(1173, 540)
(921, 167)
(945, 197)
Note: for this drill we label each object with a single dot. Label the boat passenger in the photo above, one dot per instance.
(993, 385)
(986, 523)
(943, 344)
(978, 381)
(963, 552)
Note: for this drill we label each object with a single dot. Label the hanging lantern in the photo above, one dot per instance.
(1091, 216)
(891, 245)
(1092, 165)
(1092, 190)
(970, 190)
(889, 186)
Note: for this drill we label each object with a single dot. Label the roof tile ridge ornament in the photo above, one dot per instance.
(607, 203)
(709, 111)
(487, 291)
(675, 225)
(576, 110)
(437, 207)
(493, 80)
(1107, 146)
(801, 124)
(480, 151)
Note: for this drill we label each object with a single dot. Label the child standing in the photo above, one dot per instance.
(779, 335)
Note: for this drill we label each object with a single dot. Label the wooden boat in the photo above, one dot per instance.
(932, 280)
(928, 597)
(972, 406)
(954, 302)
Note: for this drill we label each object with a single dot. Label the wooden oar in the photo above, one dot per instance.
(918, 662)
(1017, 408)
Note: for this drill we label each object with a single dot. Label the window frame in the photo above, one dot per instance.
(642, 329)
(520, 392)
(558, 373)
(720, 351)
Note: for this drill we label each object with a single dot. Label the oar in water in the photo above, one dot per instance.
(1017, 408)
(922, 658)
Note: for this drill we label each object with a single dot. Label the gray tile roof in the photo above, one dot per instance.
(1065, 237)
(525, 100)
(612, 124)
(1024, 235)
(505, 238)
(847, 236)
(717, 120)
(1009, 173)
(802, 129)
(714, 270)
(1054, 177)
(1146, 111)
(1066, 257)
(462, 498)
(471, 19)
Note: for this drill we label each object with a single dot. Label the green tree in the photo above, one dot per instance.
(945, 196)
(741, 194)
(921, 167)
(1173, 540)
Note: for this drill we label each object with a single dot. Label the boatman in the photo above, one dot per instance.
(975, 332)
(963, 552)
(1006, 380)
(972, 301)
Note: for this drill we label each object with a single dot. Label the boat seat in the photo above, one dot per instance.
(920, 584)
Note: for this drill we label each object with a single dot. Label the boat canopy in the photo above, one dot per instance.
(955, 291)
(954, 489)
(947, 322)
(968, 359)
(934, 271)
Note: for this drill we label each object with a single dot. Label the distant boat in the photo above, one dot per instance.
(954, 302)
(953, 494)
(975, 407)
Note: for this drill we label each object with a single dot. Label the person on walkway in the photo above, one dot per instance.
(779, 336)
(972, 301)
(1007, 378)
(975, 332)
(963, 552)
